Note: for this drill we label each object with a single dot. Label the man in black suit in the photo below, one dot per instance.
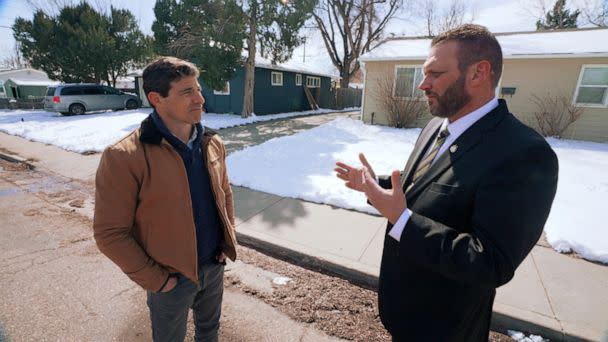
(470, 204)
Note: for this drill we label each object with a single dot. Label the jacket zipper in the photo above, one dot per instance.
(190, 207)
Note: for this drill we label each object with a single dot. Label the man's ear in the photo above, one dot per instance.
(154, 98)
(481, 72)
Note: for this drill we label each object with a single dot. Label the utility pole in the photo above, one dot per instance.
(304, 53)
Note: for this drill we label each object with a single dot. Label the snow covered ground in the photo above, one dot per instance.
(93, 132)
(301, 165)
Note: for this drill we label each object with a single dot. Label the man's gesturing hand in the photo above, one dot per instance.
(390, 203)
(354, 176)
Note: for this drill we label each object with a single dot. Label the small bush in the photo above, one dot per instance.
(554, 114)
(401, 111)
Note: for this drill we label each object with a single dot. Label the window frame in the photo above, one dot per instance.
(579, 86)
(414, 86)
(107, 90)
(313, 78)
(76, 91)
(272, 82)
(298, 79)
(224, 91)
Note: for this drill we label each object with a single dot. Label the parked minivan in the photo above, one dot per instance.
(78, 98)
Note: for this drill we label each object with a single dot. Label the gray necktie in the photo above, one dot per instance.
(426, 162)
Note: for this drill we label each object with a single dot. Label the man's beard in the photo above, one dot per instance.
(452, 100)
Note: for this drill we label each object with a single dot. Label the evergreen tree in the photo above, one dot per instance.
(213, 34)
(210, 33)
(131, 47)
(558, 18)
(166, 25)
(38, 46)
(81, 44)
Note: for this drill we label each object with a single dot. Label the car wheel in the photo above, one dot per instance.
(132, 104)
(77, 109)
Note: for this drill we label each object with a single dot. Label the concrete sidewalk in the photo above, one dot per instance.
(559, 297)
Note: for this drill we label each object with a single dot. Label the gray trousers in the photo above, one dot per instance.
(169, 310)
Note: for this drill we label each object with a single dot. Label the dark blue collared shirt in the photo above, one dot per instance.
(204, 209)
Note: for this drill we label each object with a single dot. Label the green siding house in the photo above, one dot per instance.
(277, 89)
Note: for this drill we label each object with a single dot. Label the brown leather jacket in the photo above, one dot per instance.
(143, 212)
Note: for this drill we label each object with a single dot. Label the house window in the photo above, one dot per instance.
(298, 79)
(592, 87)
(313, 82)
(407, 79)
(223, 91)
(277, 78)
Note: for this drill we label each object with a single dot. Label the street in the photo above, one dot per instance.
(57, 286)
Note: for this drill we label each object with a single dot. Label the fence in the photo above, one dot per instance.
(32, 103)
(347, 97)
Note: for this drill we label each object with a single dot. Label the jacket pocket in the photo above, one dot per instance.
(444, 189)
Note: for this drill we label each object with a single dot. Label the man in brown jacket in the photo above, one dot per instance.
(163, 205)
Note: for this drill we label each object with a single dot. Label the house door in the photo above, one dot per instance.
(14, 91)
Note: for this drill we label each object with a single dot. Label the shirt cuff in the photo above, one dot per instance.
(398, 227)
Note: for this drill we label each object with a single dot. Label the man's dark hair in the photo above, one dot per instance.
(159, 74)
(475, 43)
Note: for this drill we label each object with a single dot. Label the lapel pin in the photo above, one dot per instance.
(453, 148)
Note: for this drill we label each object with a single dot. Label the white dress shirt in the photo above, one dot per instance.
(456, 129)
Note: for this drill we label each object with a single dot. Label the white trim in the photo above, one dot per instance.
(313, 84)
(280, 77)
(363, 93)
(222, 92)
(558, 55)
(382, 59)
(294, 70)
(497, 93)
(538, 56)
(578, 86)
(299, 77)
(414, 86)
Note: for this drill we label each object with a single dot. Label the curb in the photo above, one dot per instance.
(503, 317)
(16, 159)
(310, 262)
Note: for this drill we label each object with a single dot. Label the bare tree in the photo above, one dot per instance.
(595, 12)
(535, 9)
(401, 111)
(14, 60)
(429, 12)
(455, 14)
(352, 27)
(554, 114)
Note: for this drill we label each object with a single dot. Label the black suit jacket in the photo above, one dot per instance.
(477, 213)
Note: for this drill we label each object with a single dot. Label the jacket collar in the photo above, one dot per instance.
(467, 140)
(150, 134)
